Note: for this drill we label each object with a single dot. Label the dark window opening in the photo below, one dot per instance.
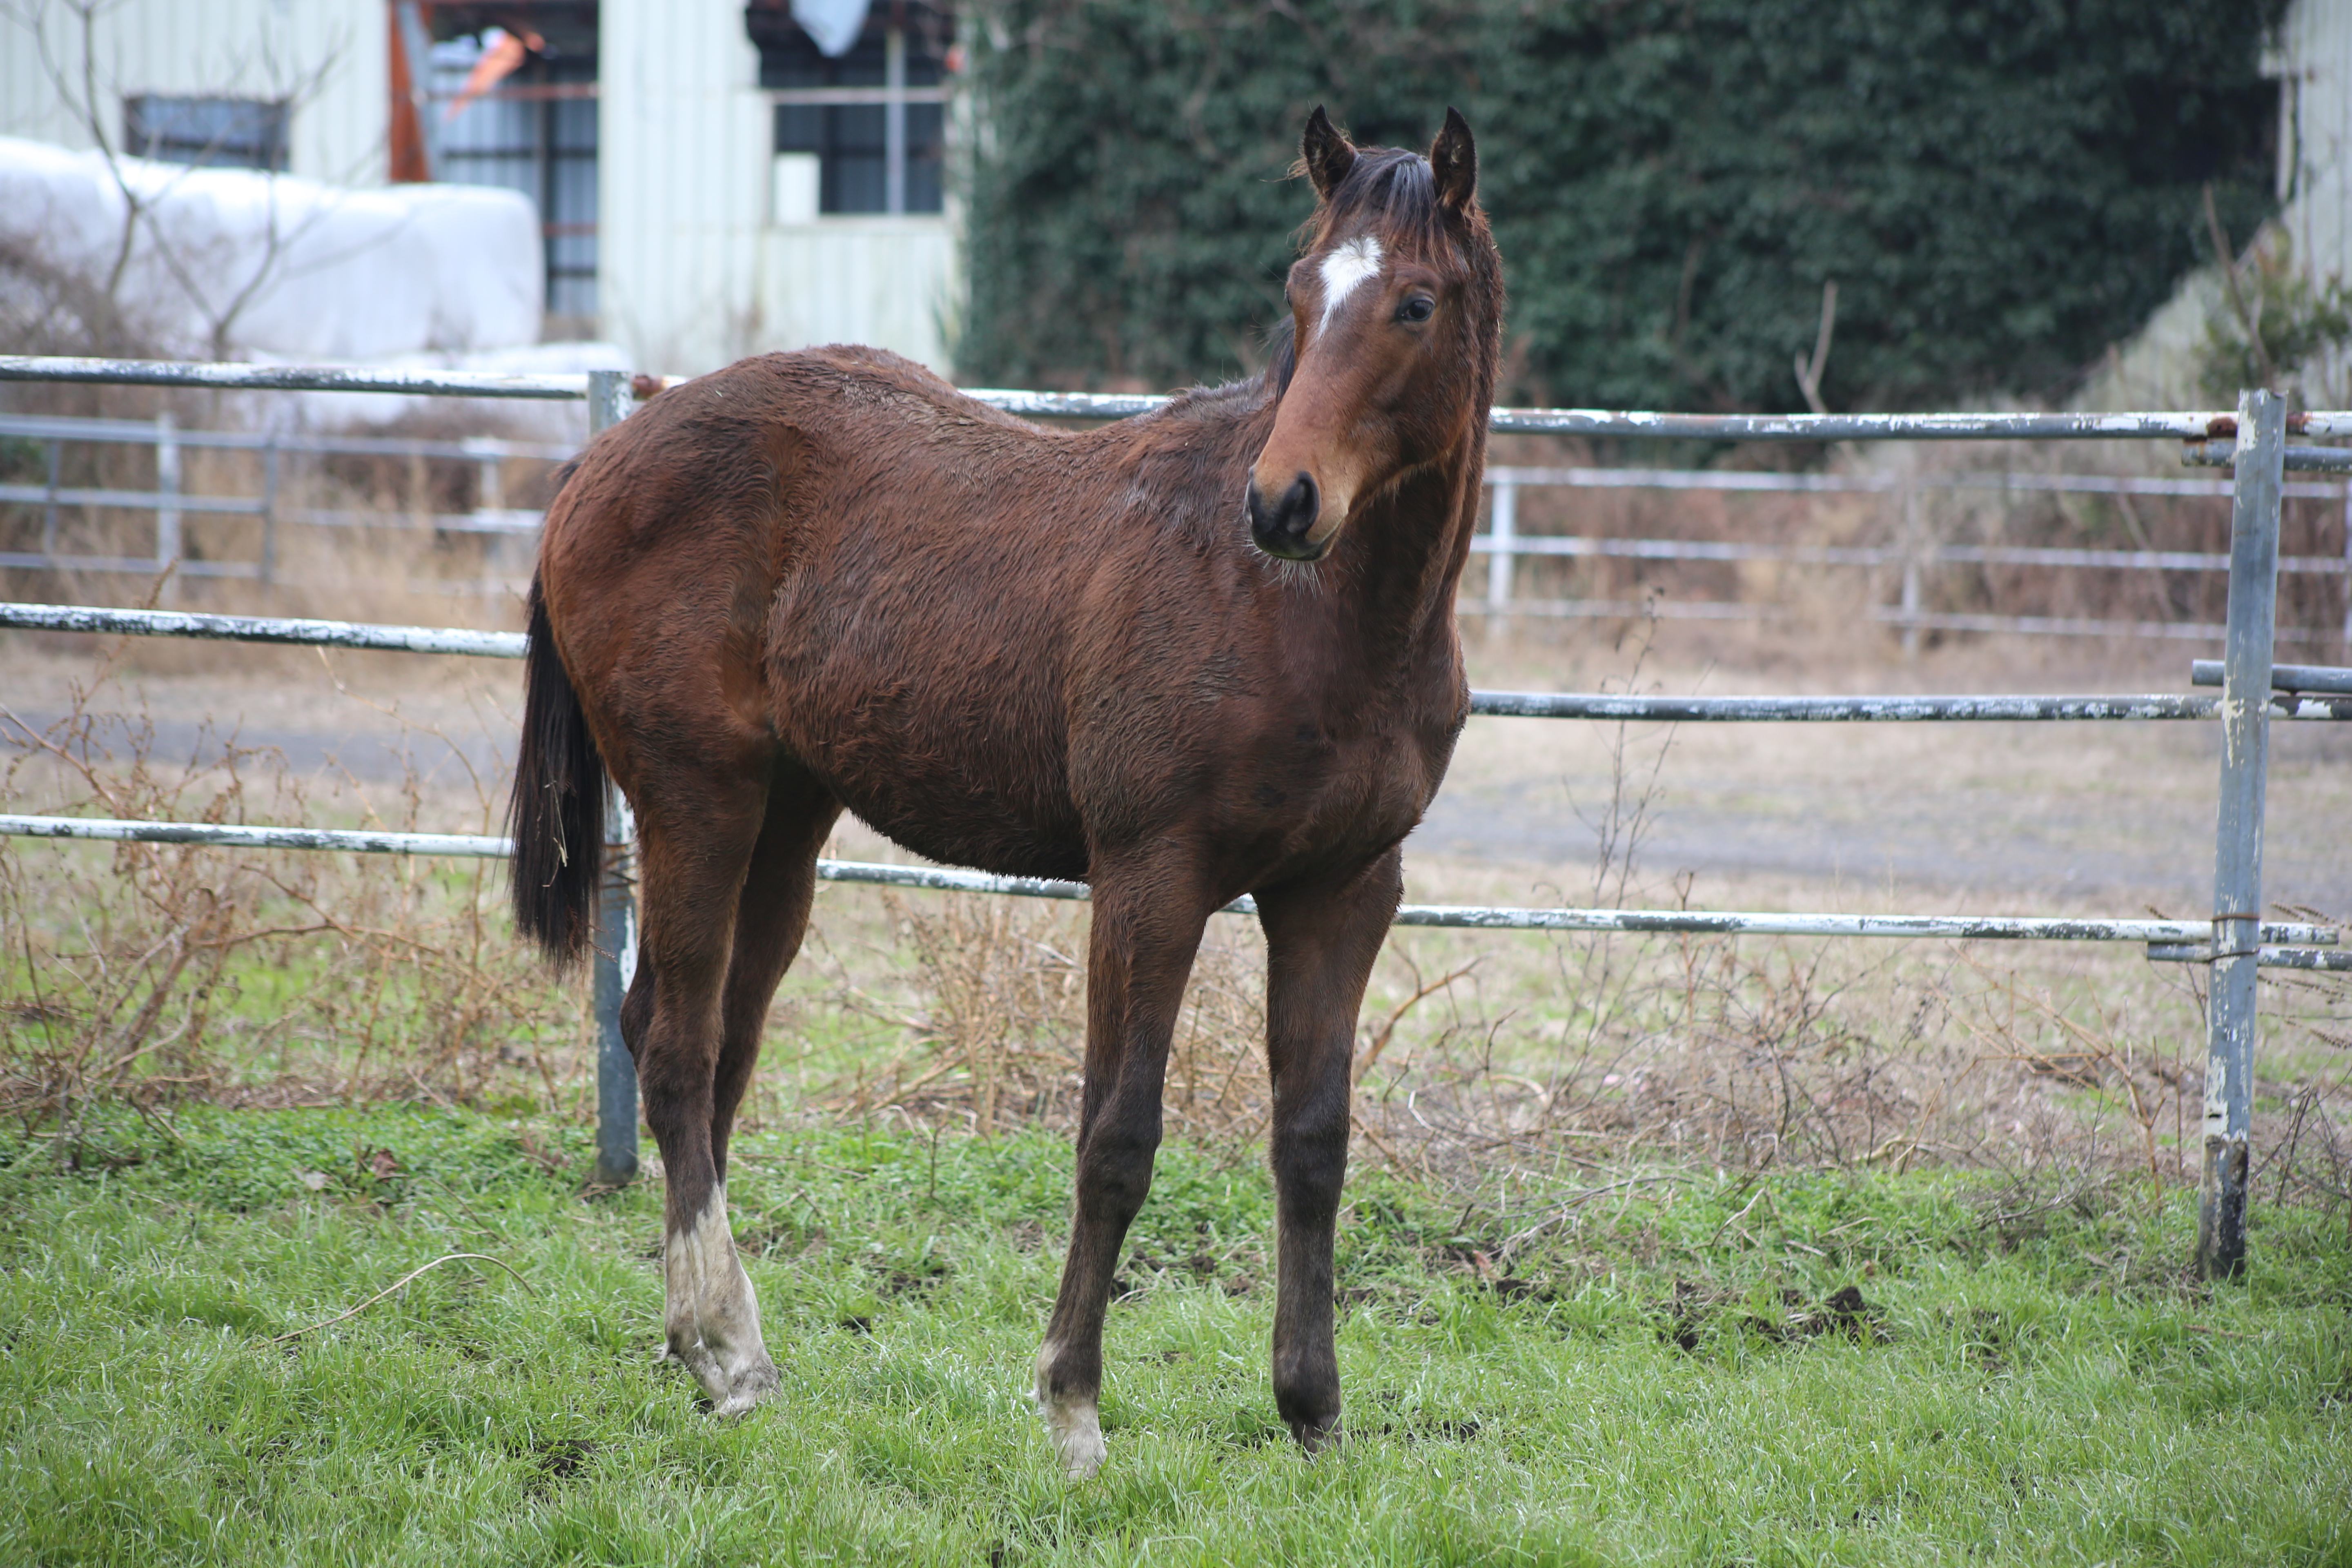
(208, 132)
(535, 132)
(875, 116)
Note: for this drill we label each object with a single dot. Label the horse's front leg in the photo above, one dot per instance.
(1321, 939)
(1146, 929)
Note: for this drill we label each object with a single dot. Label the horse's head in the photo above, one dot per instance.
(1395, 327)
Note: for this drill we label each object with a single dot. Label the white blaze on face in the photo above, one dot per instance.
(1345, 268)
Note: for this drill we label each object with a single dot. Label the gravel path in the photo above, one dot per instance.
(1974, 814)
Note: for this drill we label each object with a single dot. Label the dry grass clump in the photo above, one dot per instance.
(987, 998)
(1573, 1060)
(154, 972)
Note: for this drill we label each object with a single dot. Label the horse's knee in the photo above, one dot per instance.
(637, 1011)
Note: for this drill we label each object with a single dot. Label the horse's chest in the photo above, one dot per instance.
(1371, 786)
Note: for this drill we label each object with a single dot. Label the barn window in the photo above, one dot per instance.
(860, 129)
(532, 129)
(210, 132)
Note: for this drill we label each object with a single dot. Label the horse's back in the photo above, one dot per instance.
(834, 553)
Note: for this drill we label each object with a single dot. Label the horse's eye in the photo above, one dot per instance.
(1420, 308)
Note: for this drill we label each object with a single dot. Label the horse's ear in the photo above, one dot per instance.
(1454, 159)
(1327, 154)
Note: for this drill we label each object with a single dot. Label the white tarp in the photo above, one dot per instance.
(833, 25)
(278, 267)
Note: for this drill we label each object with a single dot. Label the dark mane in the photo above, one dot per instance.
(1281, 355)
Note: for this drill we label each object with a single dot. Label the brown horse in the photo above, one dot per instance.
(1207, 651)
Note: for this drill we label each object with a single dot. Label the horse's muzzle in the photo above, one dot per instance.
(1282, 528)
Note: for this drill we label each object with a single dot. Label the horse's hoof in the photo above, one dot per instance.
(1075, 1428)
(1078, 1445)
(749, 1387)
(1316, 1436)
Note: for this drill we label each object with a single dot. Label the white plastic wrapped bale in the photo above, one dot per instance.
(248, 263)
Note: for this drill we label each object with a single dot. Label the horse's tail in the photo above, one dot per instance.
(557, 815)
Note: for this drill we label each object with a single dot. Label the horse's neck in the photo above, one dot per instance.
(1396, 589)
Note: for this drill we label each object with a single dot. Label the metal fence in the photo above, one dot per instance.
(1913, 557)
(2235, 944)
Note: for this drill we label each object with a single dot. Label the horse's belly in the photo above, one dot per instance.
(1009, 815)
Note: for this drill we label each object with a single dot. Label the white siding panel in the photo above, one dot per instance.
(328, 54)
(693, 274)
(2315, 58)
(885, 281)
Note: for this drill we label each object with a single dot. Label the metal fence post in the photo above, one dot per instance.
(1910, 568)
(57, 459)
(167, 491)
(2238, 835)
(616, 912)
(269, 512)
(2346, 578)
(1503, 533)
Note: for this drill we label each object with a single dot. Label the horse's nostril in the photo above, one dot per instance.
(1299, 504)
(1281, 527)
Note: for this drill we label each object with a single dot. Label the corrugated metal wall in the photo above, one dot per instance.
(694, 274)
(2314, 64)
(329, 55)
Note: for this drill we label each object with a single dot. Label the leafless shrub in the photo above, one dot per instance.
(990, 1008)
(154, 972)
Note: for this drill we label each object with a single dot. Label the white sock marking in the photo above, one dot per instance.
(1343, 269)
(1072, 1423)
(713, 1316)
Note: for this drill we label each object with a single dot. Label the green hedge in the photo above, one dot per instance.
(2000, 187)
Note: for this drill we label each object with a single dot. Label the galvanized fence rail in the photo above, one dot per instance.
(1913, 557)
(1502, 544)
(172, 503)
(2235, 944)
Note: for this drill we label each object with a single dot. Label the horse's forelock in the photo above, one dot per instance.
(1391, 193)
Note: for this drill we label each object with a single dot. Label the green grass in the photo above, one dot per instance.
(1668, 1381)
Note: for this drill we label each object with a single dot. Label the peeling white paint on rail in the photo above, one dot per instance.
(239, 836)
(1473, 917)
(292, 378)
(1946, 427)
(1880, 709)
(1596, 705)
(263, 628)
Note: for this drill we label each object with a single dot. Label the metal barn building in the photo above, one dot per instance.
(713, 179)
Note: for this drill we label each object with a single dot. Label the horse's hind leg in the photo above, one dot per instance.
(1321, 942)
(694, 1035)
(770, 918)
